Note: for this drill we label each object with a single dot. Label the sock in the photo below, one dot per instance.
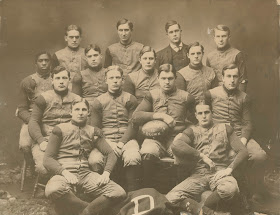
(212, 200)
(69, 204)
(133, 178)
(98, 205)
(150, 164)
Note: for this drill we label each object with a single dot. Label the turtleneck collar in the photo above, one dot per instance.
(95, 69)
(127, 44)
(230, 92)
(61, 93)
(149, 73)
(196, 67)
(83, 124)
(115, 94)
(224, 48)
(43, 74)
(171, 91)
(73, 49)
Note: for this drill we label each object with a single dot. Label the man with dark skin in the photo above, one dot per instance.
(66, 158)
(30, 88)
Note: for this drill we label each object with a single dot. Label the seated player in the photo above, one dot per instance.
(111, 112)
(145, 79)
(50, 109)
(169, 105)
(232, 106)
(66, 158)
(30, 88)
(210, 145)
(90, 83)
(196, 78)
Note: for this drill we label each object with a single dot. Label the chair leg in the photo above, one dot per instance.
(23, 173)
(36, 185)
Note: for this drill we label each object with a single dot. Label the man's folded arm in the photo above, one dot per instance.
(106, 150)
(34, 125)
(50, 158)
(238, 147)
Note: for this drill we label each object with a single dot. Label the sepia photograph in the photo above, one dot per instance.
(139, 107)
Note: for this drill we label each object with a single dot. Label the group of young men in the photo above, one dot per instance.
(80, 119)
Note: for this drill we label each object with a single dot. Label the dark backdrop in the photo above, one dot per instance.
(35, 25)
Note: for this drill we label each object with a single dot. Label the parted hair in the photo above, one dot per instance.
(124, 21)
(59, 69)
(93, 47)
(170, 23)
(115, 67)
(166, 68)
(203, 101)
(230, 66)
(222, 28)
(73, 27)
(81, 100)
(195, 44)
(147, 49)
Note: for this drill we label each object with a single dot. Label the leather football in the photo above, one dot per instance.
(155, 128)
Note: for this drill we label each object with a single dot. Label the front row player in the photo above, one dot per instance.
(66, 157)
(210, 144)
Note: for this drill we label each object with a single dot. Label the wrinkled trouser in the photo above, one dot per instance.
(255, 167)
(197, 183)
(38, 156)
(130, 155)
(156, 148)
(58, 186)
(25, 141)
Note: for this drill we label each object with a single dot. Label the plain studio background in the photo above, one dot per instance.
(35, 25)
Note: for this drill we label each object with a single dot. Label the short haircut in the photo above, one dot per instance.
(203, 102)
(41, 53)
(114, 68)
(124, 21)
(147, 49)
(93, 47)
(73, 27)
(195, 44)
(166, 68)
(59, 69)
(222, 28)
(81, 100)
(170, 23)
(230, 66)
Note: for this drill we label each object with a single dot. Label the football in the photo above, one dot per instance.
(155, 128)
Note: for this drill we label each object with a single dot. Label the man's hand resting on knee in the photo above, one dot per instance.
(70, 177)
(43, 145)
(104, 178)
(222, 173)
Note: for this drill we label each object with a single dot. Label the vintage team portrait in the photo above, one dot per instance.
(118, 107)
